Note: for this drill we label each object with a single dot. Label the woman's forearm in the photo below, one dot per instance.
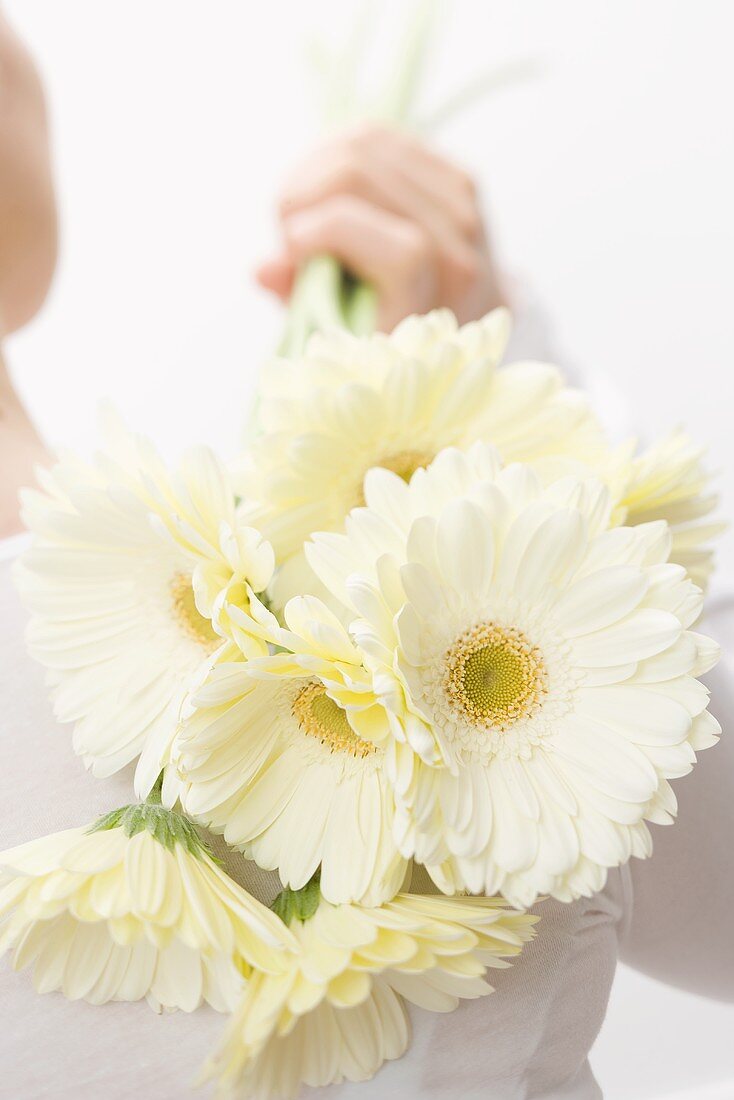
(28, 243)
(28, 223)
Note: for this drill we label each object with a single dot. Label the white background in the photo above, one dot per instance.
(610, 185)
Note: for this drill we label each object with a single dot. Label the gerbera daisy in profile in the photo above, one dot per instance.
(668, 481)
(393, 401)
(127, 579)
(339, 1012)
(547, 658)
(134, 907)
(285, 755)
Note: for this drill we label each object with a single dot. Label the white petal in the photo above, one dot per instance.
(465, 548)
(600, 599)
(644, 717)
(641, 634)
(607, 760)
(551, 553)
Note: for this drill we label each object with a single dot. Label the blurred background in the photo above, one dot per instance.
(608, 175)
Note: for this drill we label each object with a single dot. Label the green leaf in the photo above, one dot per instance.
(300, 904)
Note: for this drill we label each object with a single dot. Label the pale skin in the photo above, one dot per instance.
(28, 246)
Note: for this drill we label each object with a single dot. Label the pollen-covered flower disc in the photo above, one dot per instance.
(127, 579)
(339, 1013)
(286, 756)
(394, 402)
(544, 660)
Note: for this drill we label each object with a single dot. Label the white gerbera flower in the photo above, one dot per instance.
(542, 659)
(393, 401)
(668, 481)
(134, 908)
(286, 756)
(339, 1013)
(128, 577)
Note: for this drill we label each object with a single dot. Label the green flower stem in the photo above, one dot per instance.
(326, 296)
(361, 312)
(398, 101)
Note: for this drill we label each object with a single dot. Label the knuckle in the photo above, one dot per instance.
(464, 270)
(289, 196)
(470, 222)
(469, 270)
(345, 175)
(364, 135)
(337, 211)
(285, 205)
(349, 173)
(417, 247)
(468, 185)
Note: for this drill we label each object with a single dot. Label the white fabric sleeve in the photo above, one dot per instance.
(532, 335)
(681, 928)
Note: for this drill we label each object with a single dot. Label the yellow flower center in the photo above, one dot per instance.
(322, 718)
(402, 463)
(494, 675)
(188, 616)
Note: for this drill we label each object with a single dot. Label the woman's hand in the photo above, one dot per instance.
(395, 214)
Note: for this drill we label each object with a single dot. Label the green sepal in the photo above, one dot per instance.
(108, 821)
(167, 826)
(300, 904)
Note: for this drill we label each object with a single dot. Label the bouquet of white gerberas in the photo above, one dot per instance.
(446, 625)
(436, 619)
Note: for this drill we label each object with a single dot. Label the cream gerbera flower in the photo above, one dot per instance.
(543, 661)
(339, 1013)
(393, 401)
(128, 577)
(286, 756)
(134, 907)
(668, 481)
